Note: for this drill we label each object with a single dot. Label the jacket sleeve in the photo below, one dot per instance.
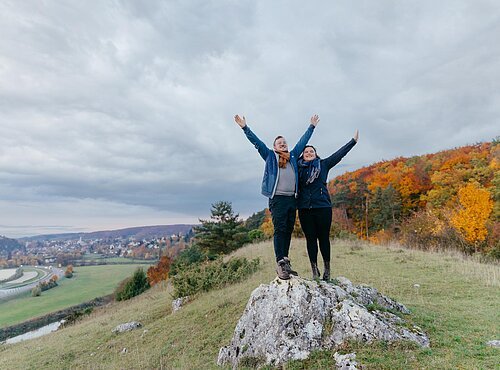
(339, 154)
(259, 145)
(301, 144)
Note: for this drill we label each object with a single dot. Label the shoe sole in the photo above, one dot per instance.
(282, 278)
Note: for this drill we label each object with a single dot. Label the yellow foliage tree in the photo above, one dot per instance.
(267, 226)
(297, 230)
(476, 206)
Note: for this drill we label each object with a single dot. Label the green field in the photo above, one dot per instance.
(87, 283)
(456, 304)
(101, 258)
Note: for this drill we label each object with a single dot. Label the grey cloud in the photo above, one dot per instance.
(131, 103)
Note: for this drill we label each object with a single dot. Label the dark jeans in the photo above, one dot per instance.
(316, 224)
(283, 209)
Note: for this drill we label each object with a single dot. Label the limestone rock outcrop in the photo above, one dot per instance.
(127, 327)
(286, 320)
(178, 303)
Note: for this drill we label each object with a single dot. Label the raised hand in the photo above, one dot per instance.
(241, 121)
(314, 120)
(356, 136)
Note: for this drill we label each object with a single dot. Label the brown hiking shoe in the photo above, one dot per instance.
(289, 267)
(282, 271)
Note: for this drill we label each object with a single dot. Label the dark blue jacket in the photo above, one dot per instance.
(271, 171)
(315, 194)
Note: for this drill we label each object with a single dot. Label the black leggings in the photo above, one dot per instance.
(316, 224)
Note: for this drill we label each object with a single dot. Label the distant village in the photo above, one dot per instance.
(80, 251)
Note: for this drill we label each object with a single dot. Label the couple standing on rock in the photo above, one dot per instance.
(297, 179)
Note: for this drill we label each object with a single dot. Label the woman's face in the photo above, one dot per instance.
(309, 154)
(281, 145)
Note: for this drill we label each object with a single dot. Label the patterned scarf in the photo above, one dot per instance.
(284, 158)
(312, 169)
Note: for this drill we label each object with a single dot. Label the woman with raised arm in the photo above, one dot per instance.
(314, 204)
(280, 185)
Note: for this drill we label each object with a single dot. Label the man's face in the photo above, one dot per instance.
(281, 145)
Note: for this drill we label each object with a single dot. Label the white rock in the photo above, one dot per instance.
(345, 362)
(127, 327)
(178, 303)
(286, 320)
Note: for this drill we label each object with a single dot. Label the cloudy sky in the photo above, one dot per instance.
(119, 113)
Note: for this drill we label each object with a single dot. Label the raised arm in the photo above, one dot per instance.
(259, 145)
(341, 153)
(301, 144)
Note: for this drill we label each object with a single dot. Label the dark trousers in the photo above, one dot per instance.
(315, 223)
(283, 209)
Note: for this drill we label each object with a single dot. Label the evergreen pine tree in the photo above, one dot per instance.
(223, 233)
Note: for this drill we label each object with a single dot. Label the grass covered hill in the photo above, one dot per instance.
(456, 302)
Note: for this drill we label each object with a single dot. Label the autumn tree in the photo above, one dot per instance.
(297, 229)
(160, 271)
(36, 291)
(69, 272)
(475, 209)
(496, 195)
(267, 226)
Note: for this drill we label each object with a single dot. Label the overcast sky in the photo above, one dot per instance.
(120, 113)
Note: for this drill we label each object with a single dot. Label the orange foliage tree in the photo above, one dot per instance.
(160, 271)
(428, 182)
(475, 209)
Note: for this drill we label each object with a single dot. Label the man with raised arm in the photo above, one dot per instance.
(280, 185)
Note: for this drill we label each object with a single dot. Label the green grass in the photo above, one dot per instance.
(87, 283)
(101, 258)
(128, 260)
(92, 256)
(456, 304)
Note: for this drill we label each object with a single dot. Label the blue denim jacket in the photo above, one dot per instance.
(271, 171)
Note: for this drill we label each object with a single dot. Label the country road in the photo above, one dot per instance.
(8, 293)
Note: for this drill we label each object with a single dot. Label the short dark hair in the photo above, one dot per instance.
(277, 137)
